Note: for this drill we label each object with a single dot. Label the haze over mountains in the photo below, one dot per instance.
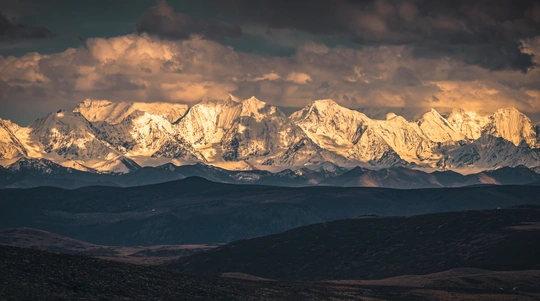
(28, 173)
(104, 137)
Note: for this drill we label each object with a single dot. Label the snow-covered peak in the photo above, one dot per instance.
(261, 130)
(329, 124)
(103, 110)
(508, 111)
(437, 129)
(432, 112)
(255, 100)
(346, 132)
(390, 116)
(468, 123)
(326, 109)
(62, 121)
(258, 134)
(9, 125)
(205, 123)
(404, 137)
(144, 135)
(10, 146)
(145, 121)
(324, 103)
(7, 130)
(258, 109)
(394, 119)
(70, 136)
(511, 125)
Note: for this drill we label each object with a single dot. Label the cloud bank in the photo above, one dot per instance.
(485, 32)
(146, 68)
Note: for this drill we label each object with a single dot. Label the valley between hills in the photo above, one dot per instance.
(467, 255)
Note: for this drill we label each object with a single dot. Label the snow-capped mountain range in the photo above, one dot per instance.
(100, 136)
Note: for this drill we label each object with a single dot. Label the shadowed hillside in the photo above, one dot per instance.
(37, 275)
(380, 247)
(47, 241)
(197, 211)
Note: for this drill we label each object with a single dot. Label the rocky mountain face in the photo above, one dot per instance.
(462, 140)
(102, 110)
(147, 135)
(70, 136)
(468, 123)
(511, 125)
(10, 146)
(101, 136)
(348, 133)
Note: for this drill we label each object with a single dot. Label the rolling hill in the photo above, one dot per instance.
(67, 277)
(381, 247)
(198, 211)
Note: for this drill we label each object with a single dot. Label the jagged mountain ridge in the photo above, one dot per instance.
(103, 110)
(101, 136)
(345, 132)
(10, 146)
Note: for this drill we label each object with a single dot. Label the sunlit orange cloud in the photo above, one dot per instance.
(147, 69)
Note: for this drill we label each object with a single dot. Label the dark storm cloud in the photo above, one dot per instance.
(397, 21)
(494, 56)
(163, 21)
(450, 24)
(9, 27)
